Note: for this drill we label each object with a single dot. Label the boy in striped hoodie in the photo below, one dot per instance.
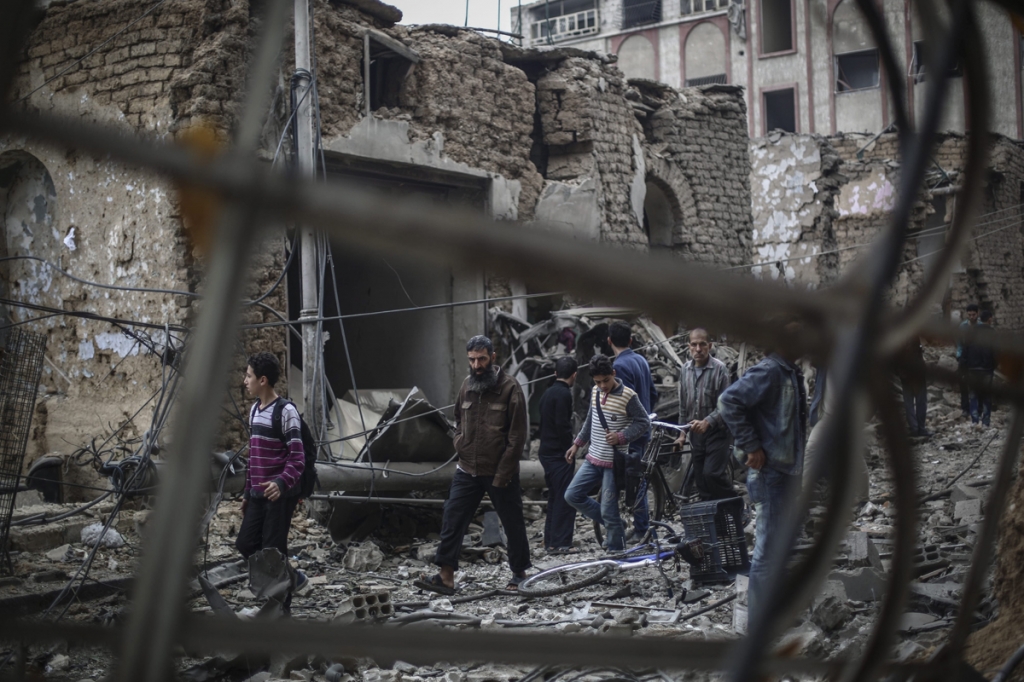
(275, 466)
(625, 420)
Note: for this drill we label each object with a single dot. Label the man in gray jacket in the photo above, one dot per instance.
(701, 382)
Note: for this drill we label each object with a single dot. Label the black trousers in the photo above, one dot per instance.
(464, 496)
(266, 524)
(560, 516)
(710, 452)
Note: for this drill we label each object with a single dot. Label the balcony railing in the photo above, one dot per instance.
(639, 13)
(567, 26)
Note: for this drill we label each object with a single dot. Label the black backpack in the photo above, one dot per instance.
(308, 481)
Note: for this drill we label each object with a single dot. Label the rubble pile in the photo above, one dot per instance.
(371, 582)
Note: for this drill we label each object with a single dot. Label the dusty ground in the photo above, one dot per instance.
(634, 603)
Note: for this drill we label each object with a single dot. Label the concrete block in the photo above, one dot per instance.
(368, 607)
(494, 534)
(912, 621)
(967, 511)
(27, 498)
(739, 618)
(863, 584)
(962, 493)
(863, 551)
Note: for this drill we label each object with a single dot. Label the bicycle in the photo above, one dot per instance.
(580, 574)
(654, 483)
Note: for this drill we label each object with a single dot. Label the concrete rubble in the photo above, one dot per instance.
(371, 581)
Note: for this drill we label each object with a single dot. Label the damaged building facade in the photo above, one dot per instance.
(557, 139)
(819, 202)
(807, 66)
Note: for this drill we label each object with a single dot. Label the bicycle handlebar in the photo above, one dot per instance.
(673, 427)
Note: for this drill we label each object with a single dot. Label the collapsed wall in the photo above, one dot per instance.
(795, 181)
(558, 138)
(104, 222)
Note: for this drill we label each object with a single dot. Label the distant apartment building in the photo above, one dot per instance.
(807, 66)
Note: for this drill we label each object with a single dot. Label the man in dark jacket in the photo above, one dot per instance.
(490, 433)
(633, 371)
(556, 434)
(766, 411)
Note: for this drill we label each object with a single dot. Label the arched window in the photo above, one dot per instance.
(705, 55)
(854, 50)
(636, 57)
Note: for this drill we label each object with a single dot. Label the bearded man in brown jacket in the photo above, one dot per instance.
(490, 433)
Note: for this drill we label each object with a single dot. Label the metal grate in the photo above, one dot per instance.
(21, 363)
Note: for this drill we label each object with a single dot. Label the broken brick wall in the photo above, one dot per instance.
(105, 222)
(794, 182)
(702, 131)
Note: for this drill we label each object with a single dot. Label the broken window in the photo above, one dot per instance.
(386, 63)
(780, 110)
(919, 62)
(857, 70)
(640, 12)
(776, 26)
(704, 55)
(698, 6)
(563, 19)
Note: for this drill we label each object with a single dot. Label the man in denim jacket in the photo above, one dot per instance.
(766, 411)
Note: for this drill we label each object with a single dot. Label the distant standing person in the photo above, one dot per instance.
(980, 362)
(490, 433)
(632, 369)
(701, 381)
(766, 411)
(276, 462)
(615, 419)
(911, 371)
(965, 398)
(556, 434)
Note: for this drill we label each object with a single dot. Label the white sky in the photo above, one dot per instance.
(482, 13)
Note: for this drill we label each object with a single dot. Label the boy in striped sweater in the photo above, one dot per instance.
(624, 420)
(272, 477)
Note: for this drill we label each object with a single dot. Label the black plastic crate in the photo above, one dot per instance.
(719, 526)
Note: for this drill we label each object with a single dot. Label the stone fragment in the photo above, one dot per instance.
(426, 551)
(59, 553)
(27, 498)
(627, 615)
(863, 584)
(281, 665)
(93, 534)
(494, 534)
(403, 667)
(962, 492)
(908, 650)
(912, 621)
(863, 551)
(362, 557)
(805, 639)
(58, 663)
(967, 511)
(830, 613)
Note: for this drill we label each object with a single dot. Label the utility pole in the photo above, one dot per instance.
(307, 171)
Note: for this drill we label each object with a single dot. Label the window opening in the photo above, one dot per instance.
(687, 7)
(857, 70)
(780, 110)
(386, 64)
(564, 19)
(640, 12)
(776, 26)
(920, 60)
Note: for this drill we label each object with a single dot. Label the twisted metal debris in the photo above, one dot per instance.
(849, 325)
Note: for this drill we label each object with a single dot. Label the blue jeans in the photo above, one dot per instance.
(606, 513)
(768, 490)
(981, 400)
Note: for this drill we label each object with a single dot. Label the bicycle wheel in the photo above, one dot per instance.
(562, 579)
(655, 508)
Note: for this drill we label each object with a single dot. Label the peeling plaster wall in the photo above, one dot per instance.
(794, 185)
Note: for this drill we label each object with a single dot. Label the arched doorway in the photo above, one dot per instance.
(28, 210)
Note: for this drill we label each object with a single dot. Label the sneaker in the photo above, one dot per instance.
(302, 585)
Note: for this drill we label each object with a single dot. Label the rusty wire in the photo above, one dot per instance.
(847, 324)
